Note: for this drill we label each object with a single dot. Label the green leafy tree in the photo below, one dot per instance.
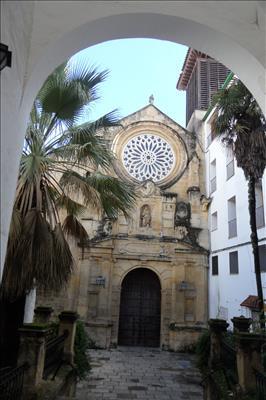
(241, 125)
(66, 167)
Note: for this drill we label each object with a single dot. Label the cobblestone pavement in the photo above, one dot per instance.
(140, 373)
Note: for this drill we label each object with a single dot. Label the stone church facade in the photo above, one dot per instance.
(143, 281)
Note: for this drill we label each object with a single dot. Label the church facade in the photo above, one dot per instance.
(142, 281)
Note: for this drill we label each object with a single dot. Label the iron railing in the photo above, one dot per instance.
(228, 355)
(260, 385)
(54, 349)
(11, 382)
(228, 359)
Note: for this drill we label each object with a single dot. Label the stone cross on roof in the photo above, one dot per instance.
(151, 99)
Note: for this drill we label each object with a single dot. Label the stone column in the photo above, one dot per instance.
(32, 351)
(248, 357)
(217, 328)
(42, 314)
(68, 323)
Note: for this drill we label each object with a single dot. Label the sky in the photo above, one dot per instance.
(137, 69)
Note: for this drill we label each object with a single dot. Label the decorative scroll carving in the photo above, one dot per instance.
(181, 232)
(145, 216)
(148, 188)
(205, 202)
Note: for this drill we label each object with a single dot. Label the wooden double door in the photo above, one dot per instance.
(140, 309)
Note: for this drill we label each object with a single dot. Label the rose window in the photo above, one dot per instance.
(148, 156)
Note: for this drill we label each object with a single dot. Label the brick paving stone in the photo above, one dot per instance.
(140, 374)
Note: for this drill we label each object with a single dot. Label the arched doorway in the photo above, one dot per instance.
(140, 309)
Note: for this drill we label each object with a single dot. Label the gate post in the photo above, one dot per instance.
(32, 351)
(217, 327)
(248, 358)
(68, 323)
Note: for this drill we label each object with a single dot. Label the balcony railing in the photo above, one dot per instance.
(232, 228)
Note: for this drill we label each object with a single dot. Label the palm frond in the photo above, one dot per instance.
(72, 207)
(116, 196)
(72, 227)
(87, 76)
(73, 182)
(241, 125)
(55, 171)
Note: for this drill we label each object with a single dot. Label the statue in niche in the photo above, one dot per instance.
(182, 214)
(145, 216)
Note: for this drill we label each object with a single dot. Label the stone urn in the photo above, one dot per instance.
(241, 324)
(218, 325)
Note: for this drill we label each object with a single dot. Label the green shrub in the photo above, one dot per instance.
(82, 344)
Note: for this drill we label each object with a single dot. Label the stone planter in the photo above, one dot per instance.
(218, 325)
(241, 324)
(42, 314)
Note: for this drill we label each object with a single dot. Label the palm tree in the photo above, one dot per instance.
(241, 125)
(64, 167)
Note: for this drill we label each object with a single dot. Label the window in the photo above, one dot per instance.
(215, 265)
(209, 139)
(262, 255)
(213, 176)
(232, 224)
(259, 206)
(233, 262)
(214, 221)
(230, 166)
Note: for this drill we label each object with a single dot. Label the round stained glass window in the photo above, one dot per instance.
(148, 156)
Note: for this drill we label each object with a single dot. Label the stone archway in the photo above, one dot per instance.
(140, 309)
(44, 34)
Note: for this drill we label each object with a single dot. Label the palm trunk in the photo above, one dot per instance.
(255, 246)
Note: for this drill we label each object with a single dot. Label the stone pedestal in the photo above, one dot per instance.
(217, 328)
(32, 351)
(42, 314)
(68, 323)
(249, 358)
(241, 324)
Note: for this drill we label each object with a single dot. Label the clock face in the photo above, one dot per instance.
(148, 156)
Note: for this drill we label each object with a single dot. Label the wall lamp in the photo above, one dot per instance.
(5, 56)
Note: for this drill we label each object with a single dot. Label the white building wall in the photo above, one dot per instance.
(227, 291)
